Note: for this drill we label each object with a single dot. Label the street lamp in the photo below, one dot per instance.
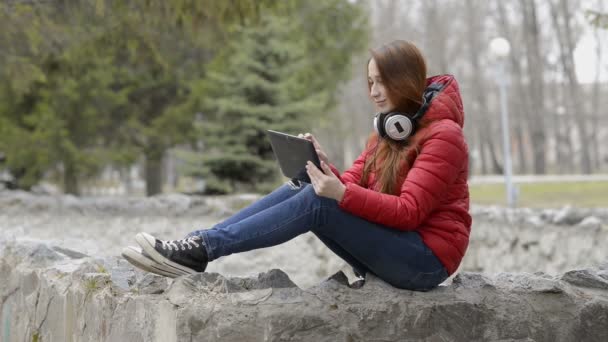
(500, 48)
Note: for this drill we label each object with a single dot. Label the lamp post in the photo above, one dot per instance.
(500, 48)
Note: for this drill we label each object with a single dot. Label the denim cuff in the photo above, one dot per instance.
(208, 248)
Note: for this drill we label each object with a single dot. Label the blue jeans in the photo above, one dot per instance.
(398, 257)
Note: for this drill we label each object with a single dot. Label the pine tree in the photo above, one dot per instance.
(56, 96)
(250, 87)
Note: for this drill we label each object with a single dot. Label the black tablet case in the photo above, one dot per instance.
(292, 153)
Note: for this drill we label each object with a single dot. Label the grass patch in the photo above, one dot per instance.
(543, 195)
(91, 285)
(101, 269)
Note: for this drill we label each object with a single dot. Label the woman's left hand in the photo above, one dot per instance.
(325, 182)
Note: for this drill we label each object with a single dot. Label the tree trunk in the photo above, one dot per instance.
(154, 163)
(521, 107)
(566, 44)
(125, 178)
(496, 166)
(482, 150)
(70, 180)
(479, 88)
(536, 87)
(435, 36)
(595, 100)
(565, 150)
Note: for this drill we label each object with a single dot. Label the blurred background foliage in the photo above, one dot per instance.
(89, 84)
(146, 96)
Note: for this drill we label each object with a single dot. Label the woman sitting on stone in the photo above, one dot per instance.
(400, 211)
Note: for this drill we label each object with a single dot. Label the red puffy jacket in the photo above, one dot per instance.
(434, 196)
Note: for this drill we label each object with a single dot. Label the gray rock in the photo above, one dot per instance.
(568, 216)
(585, 278)
(165, 204)
(536, 283)
(36, 253)
(211, 307)
(548, 215)
(273, 279)
(46, 189)
(214, 282)
(69, 253)
(591, 222)
(535, 221)
(152, 284)
(592, 314)
(122, 277)
(471, 280)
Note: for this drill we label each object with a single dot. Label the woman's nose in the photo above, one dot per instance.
(374, 92)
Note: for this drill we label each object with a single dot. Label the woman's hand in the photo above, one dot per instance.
(325, 182)
(318, 148)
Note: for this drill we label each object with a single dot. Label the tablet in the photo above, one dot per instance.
(292, 153)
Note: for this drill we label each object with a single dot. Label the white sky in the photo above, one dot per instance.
(586, 60)
(585, 57)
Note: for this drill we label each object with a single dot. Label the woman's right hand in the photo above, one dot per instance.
(318, 148)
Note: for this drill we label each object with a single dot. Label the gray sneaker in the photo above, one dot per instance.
(141, 260)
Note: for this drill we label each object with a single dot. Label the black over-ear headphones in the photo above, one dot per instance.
(399, 126)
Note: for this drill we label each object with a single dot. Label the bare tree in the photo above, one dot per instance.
(595, 99)
(536, 87)
(561, 18)
(521, 104)
(479, 89)
(436, 35)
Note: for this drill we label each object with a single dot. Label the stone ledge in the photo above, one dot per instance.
(173, 204)
(57, 295)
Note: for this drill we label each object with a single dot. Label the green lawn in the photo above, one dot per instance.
(577, 194)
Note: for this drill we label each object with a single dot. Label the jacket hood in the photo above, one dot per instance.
(443, 96)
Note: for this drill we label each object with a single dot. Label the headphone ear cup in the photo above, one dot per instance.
(398, 126)
(379, 124)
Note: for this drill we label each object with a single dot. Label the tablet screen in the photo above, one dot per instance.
(292, 153)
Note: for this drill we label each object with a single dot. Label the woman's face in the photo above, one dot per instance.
(377, 90)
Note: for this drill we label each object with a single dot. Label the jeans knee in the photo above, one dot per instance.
(308, 191)
(322, 200)
(308, 188)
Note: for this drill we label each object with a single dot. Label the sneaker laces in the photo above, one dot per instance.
(181, 244)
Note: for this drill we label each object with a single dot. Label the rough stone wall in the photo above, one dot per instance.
(527, 240)
(61, 279)
(50, 294)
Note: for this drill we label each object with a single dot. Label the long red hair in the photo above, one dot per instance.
(402, 69)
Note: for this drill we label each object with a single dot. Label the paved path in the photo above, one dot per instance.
(495, 179)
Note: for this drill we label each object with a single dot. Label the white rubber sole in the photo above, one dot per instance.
(147, 242)
(134, 256)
